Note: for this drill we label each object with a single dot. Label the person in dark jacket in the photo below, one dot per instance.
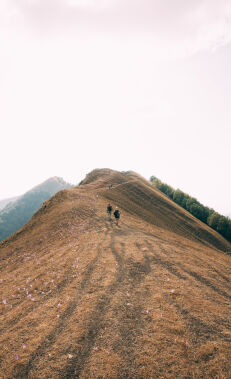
(117, 215)
(109, 210)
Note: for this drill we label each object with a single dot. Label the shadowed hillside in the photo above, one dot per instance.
(17, 212)
(4, 202)
(84, 298)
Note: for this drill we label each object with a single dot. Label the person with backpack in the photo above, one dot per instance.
(117, 215)
(109, 210)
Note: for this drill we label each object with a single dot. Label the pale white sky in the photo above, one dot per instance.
(126, 84)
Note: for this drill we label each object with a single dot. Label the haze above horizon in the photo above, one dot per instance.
(128, 85)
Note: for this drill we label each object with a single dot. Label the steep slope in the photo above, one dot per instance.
(83, 298)
(18, 212)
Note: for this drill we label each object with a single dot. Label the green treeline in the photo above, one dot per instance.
(207, 215)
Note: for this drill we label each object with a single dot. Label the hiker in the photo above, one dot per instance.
(117, 215)
(109, 210)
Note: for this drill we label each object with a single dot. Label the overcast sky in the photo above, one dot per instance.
(126, 84)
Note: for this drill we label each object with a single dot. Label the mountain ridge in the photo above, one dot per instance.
(15, 214)
(118, 179)
(85, 298)
(4, 202)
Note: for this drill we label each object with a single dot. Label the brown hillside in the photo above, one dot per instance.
(84, 298)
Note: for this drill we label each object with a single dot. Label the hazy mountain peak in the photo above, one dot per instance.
(15, 214)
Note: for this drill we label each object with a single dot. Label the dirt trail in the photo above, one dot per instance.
(128, 274)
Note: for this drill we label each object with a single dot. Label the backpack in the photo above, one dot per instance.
(117, 213)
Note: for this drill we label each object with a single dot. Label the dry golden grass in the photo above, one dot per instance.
(82, 298)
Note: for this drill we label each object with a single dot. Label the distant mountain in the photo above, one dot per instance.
(18, 212)
(4, 202)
